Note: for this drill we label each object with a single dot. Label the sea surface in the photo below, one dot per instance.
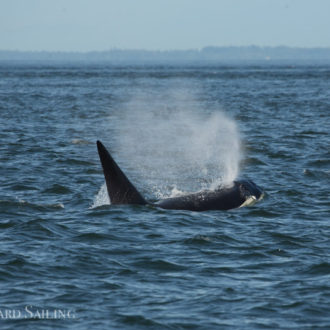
(69, 260)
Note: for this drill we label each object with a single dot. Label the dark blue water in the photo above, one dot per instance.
(68, 261)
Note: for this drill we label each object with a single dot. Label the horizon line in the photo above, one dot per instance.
(162, 50)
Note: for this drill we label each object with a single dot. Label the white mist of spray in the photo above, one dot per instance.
(172, 144)
(169, 144)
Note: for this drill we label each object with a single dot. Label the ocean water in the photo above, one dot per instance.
(69, 260)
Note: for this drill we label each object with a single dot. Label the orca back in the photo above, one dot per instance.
(122, 191)
(220, 199)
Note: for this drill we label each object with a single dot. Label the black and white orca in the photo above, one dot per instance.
(122, 191)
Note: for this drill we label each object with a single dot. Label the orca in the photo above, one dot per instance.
(122, 191)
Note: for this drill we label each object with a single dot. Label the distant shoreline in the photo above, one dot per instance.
(207, 55)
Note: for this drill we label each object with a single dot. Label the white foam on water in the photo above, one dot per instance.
(101, 198)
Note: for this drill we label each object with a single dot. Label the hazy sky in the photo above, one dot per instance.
(84, 25)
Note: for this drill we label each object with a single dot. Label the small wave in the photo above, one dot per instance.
(159, 264)
(4, 224)
(21, 203)
(16, 261)
(42, 206)
(23, 187)
(80, 141)
(322, 268)
(95, 237)
(72, 161)
(135, 319)
(319, 163)
(57, 189)
(253, 161)
(288, 240)
(317, 174)
(310, 133)
(198, 239)
(263, 213)
(41, 229)
(57, 205)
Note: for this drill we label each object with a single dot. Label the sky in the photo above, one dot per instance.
(96, 25)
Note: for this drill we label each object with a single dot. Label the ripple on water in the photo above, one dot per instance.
(322, 269)
(57, 189)
(10, 206)
(158, 265)
(120, 267)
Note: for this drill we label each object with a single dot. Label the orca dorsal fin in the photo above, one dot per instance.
(120, 189)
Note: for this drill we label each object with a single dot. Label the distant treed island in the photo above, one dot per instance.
(204, 55)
